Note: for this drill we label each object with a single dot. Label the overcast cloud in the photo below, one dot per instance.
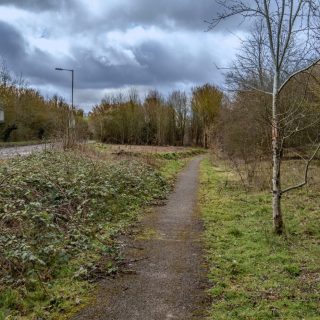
(114, 45)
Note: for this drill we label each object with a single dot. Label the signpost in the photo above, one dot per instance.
(1, 122)
(1, 115)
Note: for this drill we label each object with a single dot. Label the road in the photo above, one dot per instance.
(22, 151)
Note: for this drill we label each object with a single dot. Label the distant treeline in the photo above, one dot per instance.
(178, 119)
(175, 120)
(29, 116)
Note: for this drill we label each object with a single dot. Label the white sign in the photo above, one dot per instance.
(1, 115)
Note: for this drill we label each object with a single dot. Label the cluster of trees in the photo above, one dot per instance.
(275, 78)
(243, 132)
(175, 120)
(29, 116)
(178, 119)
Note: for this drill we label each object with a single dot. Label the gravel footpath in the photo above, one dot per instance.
(166, 278)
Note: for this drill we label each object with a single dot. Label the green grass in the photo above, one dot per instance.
(255, 274)
(60, 215)
(169, 169)
(189, 152)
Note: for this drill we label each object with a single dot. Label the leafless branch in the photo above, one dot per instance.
(298, 72)
(306, 171)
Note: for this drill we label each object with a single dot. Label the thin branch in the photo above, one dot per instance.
(297, 72)
(300, 185)
(259, 90)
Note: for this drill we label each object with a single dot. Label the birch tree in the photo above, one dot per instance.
(282, 47)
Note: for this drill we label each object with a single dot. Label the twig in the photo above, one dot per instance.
(300, 185)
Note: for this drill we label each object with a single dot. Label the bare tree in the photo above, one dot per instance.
(5, 75)
(178, 101)
(282, 47)
(205, 105)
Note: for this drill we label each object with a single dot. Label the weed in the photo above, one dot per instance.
(59, 216)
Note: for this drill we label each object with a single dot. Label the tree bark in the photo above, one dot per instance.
(205, 138)
(276, 160)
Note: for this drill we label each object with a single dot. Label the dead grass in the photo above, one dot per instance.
(257, 176)
(117, 148)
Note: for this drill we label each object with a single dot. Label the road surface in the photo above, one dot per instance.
(22, 151)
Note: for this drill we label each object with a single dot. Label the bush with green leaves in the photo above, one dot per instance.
(58, 207)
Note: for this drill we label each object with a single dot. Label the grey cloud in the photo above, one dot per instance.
(167, 14)
(178, 14)
(158, 64)
(12, 44)
(164, 65)
(39, 5)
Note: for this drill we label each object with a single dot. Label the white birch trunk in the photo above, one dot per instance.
(276, 160)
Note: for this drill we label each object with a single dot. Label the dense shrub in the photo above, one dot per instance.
(55, 207)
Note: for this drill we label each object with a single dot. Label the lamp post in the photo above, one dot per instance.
(71, 120)
(72, 82)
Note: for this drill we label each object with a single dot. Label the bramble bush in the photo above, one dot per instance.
(58, 207)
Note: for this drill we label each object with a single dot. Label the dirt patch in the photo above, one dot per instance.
(145, 149)
(166, 278)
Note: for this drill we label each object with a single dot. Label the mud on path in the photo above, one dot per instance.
(168, 278)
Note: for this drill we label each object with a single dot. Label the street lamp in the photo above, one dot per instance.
(72, 82)
(71, 119)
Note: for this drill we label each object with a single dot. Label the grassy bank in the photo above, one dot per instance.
(60, 215)
(255, 274)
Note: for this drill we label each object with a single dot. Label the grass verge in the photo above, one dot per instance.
(255, 274)
(60, 215)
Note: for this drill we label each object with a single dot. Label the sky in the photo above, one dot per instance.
(115, 45)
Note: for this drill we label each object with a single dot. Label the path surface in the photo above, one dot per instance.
(22, 151)
(168, 280)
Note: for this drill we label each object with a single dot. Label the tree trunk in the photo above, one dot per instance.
(205, 138)
(182, 135)
(276, 161)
